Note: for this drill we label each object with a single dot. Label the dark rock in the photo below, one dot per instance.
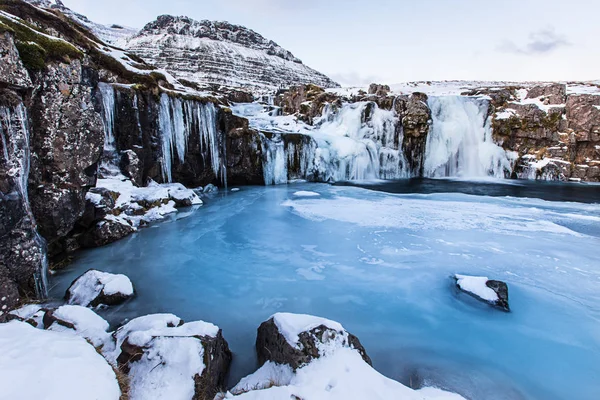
(105, 232)
(244, 151)
(501, 289)
(271, 345)
(416, 118)
(131, 167)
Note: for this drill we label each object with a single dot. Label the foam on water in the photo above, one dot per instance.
(382, 265)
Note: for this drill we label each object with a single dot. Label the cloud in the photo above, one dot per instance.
(539, 42)
(354, 79)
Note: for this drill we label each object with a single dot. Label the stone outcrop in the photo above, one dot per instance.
(272, 344)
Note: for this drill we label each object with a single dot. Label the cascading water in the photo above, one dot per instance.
(14, 131)
(275, 169)
(109, 162)
(357, 142)
(460, 142)
(178, 120)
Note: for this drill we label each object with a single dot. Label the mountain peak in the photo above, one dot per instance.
(218, 52)
(222, 31)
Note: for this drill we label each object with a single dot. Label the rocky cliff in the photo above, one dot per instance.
(210, 52)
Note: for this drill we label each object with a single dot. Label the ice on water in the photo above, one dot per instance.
(383, 266)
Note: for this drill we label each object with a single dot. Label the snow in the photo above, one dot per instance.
(477, 286)
(166, 370)
(305, 193)
(172, 356)
(38, 364)
(89, 286)
(88, 324)
(130, 197)
(270, 374)
(431, 212)
(196, 328)
(31, 312)
(506, 114)
(292, 325)
(341, 375)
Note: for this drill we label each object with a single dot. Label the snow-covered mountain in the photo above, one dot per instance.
(220, 53)
(112, 34)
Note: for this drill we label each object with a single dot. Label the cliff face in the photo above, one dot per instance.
(555, 128)
(210, 52)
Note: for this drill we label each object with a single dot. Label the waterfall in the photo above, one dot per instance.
(15, 137)
(109, 161)
(275, 167)
(178, 120)
(359, 141)
(460, 142)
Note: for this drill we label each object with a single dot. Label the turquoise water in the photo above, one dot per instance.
(380, 264)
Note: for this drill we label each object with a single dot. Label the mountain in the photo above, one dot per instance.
(112, 34)
(211, 52)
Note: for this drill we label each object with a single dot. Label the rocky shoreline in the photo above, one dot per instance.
(161, 356)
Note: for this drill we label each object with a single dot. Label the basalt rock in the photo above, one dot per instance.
(244, 151)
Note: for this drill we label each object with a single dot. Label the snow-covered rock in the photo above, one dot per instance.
(490, 291)
(38, 364)
(296, 339)
(168, 359)
(340, 372)
(33, 314)
(220, 53)
(82, 321)
(95, 288)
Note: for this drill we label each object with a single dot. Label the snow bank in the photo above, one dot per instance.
(270, 374)
(342, 375)
(292, 325)
(98, 287)
(303, 193)
(38, 364)
(477, 286)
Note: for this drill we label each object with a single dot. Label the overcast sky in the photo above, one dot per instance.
(391, 41)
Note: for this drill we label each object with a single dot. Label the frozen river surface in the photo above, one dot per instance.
(381, 263)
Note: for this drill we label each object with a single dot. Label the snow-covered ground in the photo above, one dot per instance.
(38, 364)
(455, 88)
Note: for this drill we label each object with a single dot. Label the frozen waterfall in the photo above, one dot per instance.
(460, 141)
(357, 142)
(14, 134)
(178, 120)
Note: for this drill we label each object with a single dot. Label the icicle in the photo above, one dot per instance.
(460, 142)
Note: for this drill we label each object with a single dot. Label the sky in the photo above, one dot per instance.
(357, 42)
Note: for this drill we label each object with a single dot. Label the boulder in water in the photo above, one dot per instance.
(489, 291)
(96, 288)
(296, 339)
